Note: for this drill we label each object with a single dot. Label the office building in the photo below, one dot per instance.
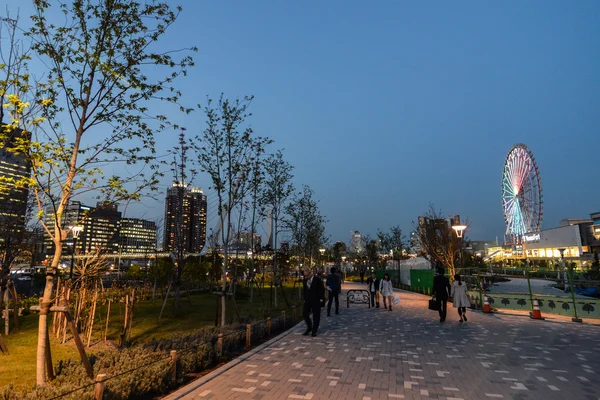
(185, 219)
(13, 199)
(137, 236)
(100, 225)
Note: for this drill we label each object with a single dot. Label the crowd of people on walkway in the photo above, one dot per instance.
(380, 289)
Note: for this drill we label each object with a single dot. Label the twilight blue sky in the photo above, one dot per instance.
(386, 106)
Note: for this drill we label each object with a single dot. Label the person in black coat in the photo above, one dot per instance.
(334, 285)
(441, 291)
(314, 299)
(373, 283)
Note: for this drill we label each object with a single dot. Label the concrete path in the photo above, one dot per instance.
(408, 354)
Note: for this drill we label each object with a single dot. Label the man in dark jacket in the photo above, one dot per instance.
(441, 291)
(334, 285)
(314, 299)
(373, 283)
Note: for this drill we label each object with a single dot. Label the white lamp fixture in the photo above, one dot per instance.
(460, 229)
(76, 230)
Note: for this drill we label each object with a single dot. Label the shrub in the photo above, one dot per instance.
(145, 370)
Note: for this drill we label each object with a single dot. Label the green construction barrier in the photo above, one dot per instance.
(421, 280)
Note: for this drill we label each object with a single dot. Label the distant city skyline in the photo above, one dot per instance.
(385, 108)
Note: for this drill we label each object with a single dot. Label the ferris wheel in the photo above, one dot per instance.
(522, 200)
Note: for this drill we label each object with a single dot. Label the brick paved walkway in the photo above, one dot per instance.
(408, 354)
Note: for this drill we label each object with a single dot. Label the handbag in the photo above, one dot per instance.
(396, 299)
(433, 305)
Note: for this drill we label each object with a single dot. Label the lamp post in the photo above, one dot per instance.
(75, 230)
(344, 266)
(322, 251)
(460, 229)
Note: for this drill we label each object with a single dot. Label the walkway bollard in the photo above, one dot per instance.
(174, 361)
(269, 327)
(99, 387)
(220, 345)
(248, 335)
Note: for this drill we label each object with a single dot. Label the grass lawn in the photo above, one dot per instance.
(19, 366)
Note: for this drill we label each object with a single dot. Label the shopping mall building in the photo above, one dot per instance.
(579, 239)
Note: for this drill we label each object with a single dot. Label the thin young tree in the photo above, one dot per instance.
(223, 152)
(277, 191)
(183, 175)
(256, 180)
(305, 224)
(92, 111)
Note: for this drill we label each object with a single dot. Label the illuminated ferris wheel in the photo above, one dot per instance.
(522, 200)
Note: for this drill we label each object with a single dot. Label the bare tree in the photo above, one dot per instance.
(438, 240)
(183, 176)
(223, 152)
(278, 189)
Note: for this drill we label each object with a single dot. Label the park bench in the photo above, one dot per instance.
(358, 297)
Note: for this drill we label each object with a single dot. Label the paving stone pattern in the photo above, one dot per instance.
(408, 354)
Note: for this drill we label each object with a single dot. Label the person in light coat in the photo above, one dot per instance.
(460, 299)
(387, 291)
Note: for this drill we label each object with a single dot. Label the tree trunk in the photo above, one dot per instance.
(44, 310)
(224, 288)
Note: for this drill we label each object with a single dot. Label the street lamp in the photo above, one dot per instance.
(75, 231)
(344, 266)
(322, 250)
(460, 230)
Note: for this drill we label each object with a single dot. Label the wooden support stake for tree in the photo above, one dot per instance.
(237, 310)
(165, 301)
(131, 306)
(64, 317)
(49, 366)
(99, 387)
(3, 346)
(126, 319)
(15, 305)
(89, 339)
(80, 348)
(58, 301)
(269, 326)
(248, 335)
(174, 362)
(107, 319)
(7, 314)
(220, 346)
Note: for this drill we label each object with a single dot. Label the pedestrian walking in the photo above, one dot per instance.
(441, 292)
(373, 283)
(460, 299)
(387, 291)
(334, 285)
(314, 299)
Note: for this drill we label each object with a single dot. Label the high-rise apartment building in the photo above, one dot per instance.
(137, 236)
(357, 242)
(13, 200)
(185, 219)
